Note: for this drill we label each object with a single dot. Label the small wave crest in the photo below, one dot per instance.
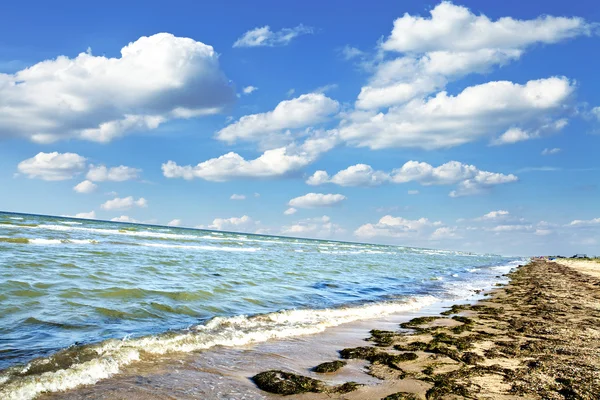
(87, 365)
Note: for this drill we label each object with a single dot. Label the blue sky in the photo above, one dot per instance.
(464, 125)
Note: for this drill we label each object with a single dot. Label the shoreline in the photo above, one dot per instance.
(522, 340)
(533, 338)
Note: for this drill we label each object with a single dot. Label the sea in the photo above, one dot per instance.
(82, 299)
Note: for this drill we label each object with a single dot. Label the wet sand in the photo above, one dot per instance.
(536, 338)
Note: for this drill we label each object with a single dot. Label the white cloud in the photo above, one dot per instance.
(396, 227)
(290, 211)
(249, 89)
(596, 112)
(355, 175)
(85, 187)
(257, 195)
(237, 224)
(543, 232)
(290, 92)
(124, 203)
(237, 197)
(264, 36)
(456, 28)
(125, 218)
(445, 233)
(99, 173)
(481, 183)
(84, 215)
(445, 121)
(514, 135)
(469, 178)
(314, 200)
(590, 222)
(271, 164)
(547, 151)
(307, 109)
(494, 215)
(52, 166)
(511, 228)
(413, 192)
(349, 52)
(314, 227)
(174, 222)
(97, 98)
(448, 45)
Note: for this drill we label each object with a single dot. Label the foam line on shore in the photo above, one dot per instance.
(109, 357)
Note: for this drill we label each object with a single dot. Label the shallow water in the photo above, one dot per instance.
(80, 300)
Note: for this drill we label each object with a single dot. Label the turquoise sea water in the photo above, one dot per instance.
(80, 299)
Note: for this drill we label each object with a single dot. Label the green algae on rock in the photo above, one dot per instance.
(402, 396)
(328, 367)
(287, 383)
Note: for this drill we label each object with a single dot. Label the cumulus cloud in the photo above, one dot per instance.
(445, 121)
(124, 203)
(396, 227)
(264, 36)
(125, 218)
(548, 152)
(435, 51)
(290, 211)
(85, 187)
(456, 28)
(236, 224)
(582, 223)
(237, 197)
(470, 179)
(445, 233)
(84, 215)
(273, 163)
(100, 173)
(174, 222)
(156, 79)
(52, 166)
(314, 227)
(494, 215)
(307, 109)
(355, 175)
(314, 200)
(249, 89)
(514, 135)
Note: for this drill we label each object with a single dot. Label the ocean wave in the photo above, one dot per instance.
(124, 232)
(193, 247)
(87, 365)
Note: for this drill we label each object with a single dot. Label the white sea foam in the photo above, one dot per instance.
(16, 218)
(48, 242)
(193, 247)
(45, 241)
(113, 355)
(122, 232)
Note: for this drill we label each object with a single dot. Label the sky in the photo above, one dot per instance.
(458, 125)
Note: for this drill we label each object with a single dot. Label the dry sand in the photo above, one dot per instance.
(590, 267)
